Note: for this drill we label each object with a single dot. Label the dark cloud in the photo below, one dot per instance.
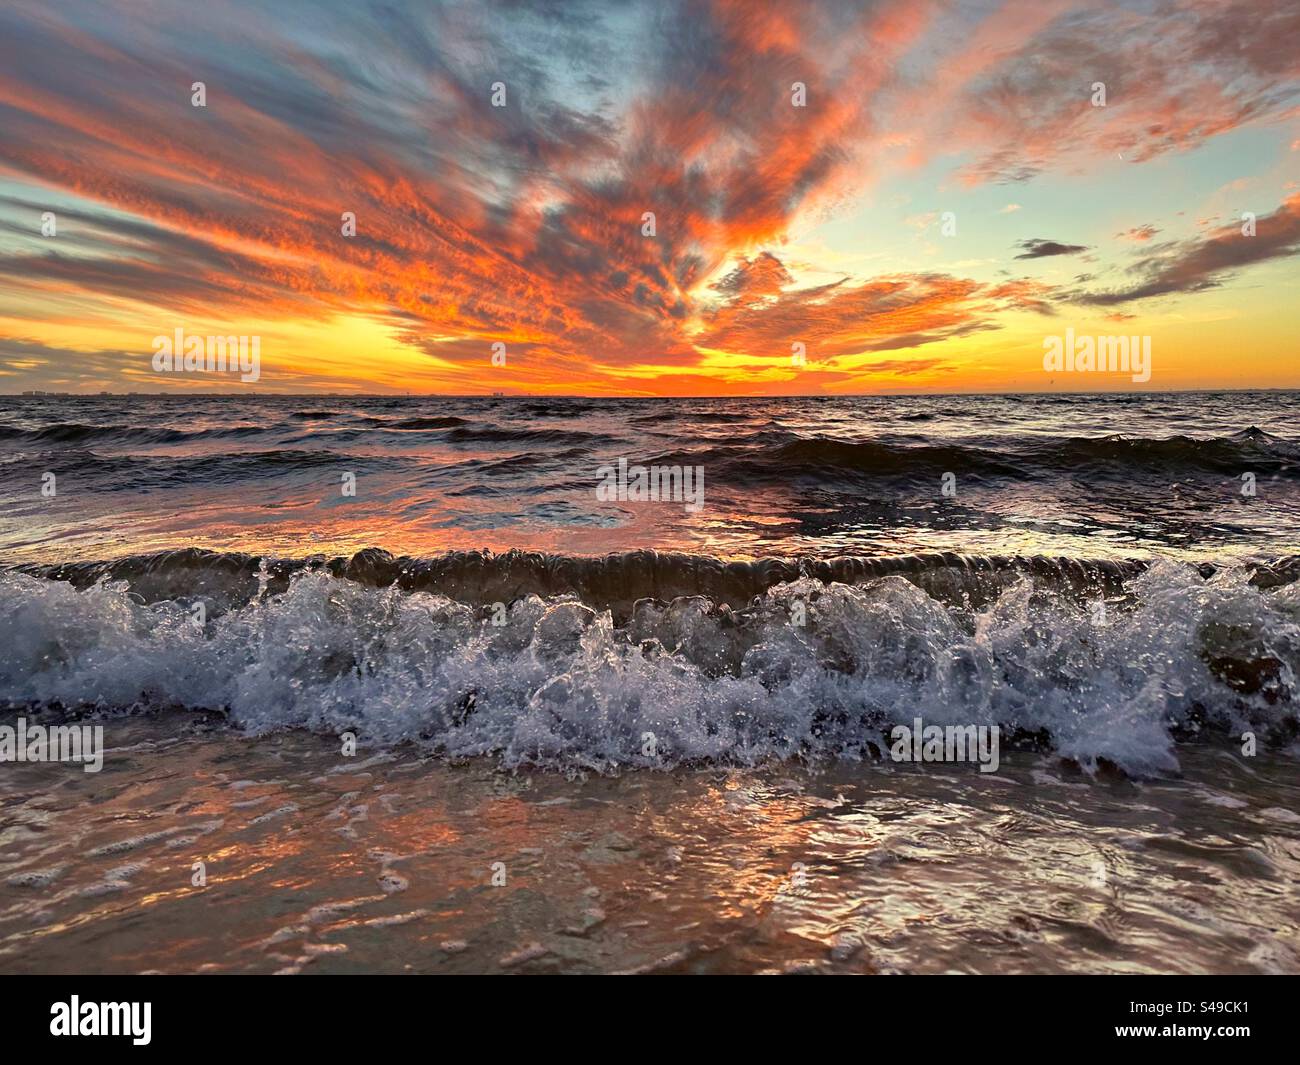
(1041, 249)
(1196, 265)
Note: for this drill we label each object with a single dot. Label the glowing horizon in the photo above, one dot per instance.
(917, 193)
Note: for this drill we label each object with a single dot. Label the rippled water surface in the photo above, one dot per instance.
(317, 863)
(1107, 476)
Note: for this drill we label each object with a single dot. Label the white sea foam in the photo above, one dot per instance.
(560, 685)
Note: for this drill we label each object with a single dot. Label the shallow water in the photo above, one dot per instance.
(385, 862)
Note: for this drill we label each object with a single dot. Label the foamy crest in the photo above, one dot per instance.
(562, 685)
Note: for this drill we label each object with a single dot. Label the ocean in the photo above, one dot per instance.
(430, 684)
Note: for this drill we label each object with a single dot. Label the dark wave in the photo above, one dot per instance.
(1251, 448)
(784, 456)
(76, 433)
(774, 453)
(243, 462)
(614, 581)
(779, 455)
(560, 408)
(471, 435)
(444, 422)
(721, 417)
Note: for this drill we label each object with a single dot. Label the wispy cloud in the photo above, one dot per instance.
(1138, 234)
(1196, 265)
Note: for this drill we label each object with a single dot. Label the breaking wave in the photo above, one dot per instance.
(568, 663)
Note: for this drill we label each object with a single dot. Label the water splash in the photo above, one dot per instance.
(563, 684)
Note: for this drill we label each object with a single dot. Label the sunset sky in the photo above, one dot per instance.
(774, 224)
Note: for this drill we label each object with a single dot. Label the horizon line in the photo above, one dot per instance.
(43, 394)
